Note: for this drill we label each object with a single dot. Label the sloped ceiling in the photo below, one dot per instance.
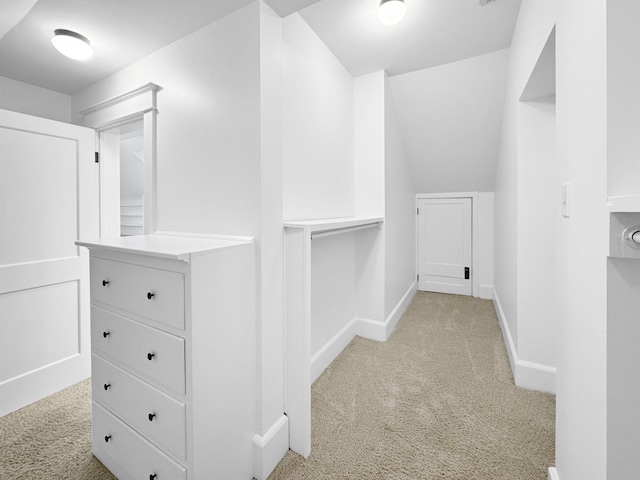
(449, 105)
(433, 32)
(121, 32)
(450, 118)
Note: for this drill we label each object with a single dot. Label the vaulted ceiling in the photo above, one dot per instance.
(434, 33)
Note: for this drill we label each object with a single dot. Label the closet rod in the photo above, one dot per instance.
(337, 231)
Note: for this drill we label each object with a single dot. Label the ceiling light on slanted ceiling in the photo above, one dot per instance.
(72, 44)
(391, 12)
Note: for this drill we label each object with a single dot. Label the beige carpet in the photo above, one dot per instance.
(436, 401)
(51, 439)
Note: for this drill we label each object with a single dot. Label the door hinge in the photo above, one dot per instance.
(466, 273)
(97, 157)
(417, 211)
(418, 277)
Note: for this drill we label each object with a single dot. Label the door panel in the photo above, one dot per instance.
(48, 200)
(444, 231)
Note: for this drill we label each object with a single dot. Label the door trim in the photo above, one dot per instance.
(474, 230)
(137, 104)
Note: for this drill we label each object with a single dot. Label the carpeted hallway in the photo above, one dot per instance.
(436, 401)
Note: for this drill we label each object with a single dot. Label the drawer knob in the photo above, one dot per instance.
(150, 356)
(106, 334)
(107, 438)
(151, 416)
(105, 283)
(152, 476)
(150, 295)
(106, 386)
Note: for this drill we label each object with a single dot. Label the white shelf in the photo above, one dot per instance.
(333, 224)
(166, 245)
(298, 251)
(624, 203)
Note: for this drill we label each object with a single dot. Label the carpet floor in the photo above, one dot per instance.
(436, 401)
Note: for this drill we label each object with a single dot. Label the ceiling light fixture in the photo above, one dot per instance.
(391, 12)
(72, 44)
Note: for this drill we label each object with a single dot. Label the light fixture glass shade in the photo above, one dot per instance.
(391, 12)
(72, 44)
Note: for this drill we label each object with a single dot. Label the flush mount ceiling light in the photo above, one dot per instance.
(72, 44)
(391, 12)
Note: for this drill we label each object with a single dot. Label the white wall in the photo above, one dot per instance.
(269, 291)
(208, 146)
(369, 180)
(219, 166)
(400, 218)
(131, 169)
(623, 97)
(25, 98)
(318, 170)
(581, 267)
(484, 274)
(450, 118)
(623, 300)
(538, 211)
(318, 127)
(623, 393)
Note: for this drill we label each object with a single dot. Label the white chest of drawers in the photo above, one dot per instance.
(173, 356)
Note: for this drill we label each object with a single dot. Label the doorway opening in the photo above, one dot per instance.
(123, 148)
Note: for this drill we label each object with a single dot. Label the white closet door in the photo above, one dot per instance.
(48, 200)
(444, 236)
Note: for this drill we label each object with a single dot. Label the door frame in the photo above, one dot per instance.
(474, 231)
(137, 104)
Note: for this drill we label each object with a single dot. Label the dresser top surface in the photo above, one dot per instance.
(171, 246)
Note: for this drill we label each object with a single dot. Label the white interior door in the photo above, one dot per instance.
(444, 251)
(48, 200)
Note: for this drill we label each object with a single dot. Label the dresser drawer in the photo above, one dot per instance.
(154, 414)
(142, 349)
(150, 292)
(132, 453)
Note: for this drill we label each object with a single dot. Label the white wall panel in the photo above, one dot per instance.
(26, 329)
(318, 127)
(45, 205)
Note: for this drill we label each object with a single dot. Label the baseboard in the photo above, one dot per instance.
(553, 474)
(485, 292)
(506, 333)
(526, 374)
(362, 327)
(328, 353)
(381, 331)
(535, 376)
(396, 314)
(269, 449)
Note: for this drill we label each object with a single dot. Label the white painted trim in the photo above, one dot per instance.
(506, 333)
(362, 327)
(269, 449)
(137, 104)
(553, 474)
(396, 314)
(485, 292)
(624, 203)
(526, 374)
(328, 353)
(123, 97)
(475, 205)
(381, 331)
